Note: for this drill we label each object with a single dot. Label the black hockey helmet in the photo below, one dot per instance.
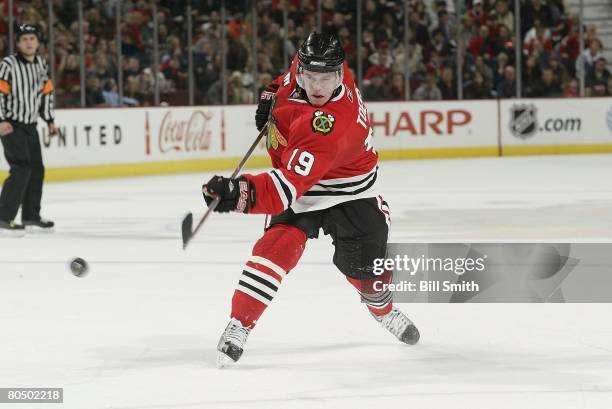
(321, 53)
(23, 29)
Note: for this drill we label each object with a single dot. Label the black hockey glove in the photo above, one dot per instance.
(236, 194)
(263, 108)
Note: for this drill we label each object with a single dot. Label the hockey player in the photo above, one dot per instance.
(324, 177)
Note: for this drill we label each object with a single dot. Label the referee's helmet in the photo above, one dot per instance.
(23, 29)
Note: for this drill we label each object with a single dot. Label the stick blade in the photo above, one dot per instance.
(187, 229)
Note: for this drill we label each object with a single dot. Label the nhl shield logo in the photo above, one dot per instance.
(524, 120)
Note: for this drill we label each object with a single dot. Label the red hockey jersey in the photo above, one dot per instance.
(322, 156)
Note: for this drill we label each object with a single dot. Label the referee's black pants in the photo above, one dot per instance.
(24, 185)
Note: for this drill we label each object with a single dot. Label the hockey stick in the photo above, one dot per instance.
(187, 225)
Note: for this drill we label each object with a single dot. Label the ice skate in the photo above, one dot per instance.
(11, 229)
(39, 226)
(399, 325)
(231, 344)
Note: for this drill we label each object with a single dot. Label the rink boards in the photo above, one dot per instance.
(113, 142)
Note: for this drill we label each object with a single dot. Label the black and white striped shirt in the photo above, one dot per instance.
(25, 90)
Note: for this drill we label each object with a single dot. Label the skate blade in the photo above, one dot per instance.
(224, 361)
(39, 230)
(12, 233)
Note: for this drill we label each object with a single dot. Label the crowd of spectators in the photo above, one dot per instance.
(485, 36)
(484, 30)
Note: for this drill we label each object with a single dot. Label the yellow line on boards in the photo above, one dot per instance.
(555, 149)
(145, 169)
(435, 153)
(207, 165)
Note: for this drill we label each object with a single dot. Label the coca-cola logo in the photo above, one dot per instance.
(189, 135)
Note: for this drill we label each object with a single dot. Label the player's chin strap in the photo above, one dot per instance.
(337, 91)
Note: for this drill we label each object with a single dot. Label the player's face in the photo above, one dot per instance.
(319, 86)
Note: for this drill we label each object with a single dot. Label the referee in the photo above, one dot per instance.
(25, 93)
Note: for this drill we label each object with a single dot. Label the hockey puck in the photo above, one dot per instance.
(79, 267)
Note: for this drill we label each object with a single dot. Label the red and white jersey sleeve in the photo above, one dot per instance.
(304, 162)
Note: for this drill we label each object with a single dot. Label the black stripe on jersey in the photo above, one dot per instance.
(341, 192)
(23, 100)
(376, 296)
(20, 100)
(15, 83)
(255, 289)
(4, 76)
(385, 299)
(35, 96)
(349, 184)
(31, 97)
(260, 280)
(285, 188)
(47, 101)
(376, 304)
(4, 68)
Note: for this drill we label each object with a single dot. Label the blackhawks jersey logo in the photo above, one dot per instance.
(274, 138)
(322, 122)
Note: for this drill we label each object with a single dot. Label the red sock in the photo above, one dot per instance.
(378, 302)
(274, 255)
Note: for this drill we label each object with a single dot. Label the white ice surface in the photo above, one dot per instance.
(140, 330)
